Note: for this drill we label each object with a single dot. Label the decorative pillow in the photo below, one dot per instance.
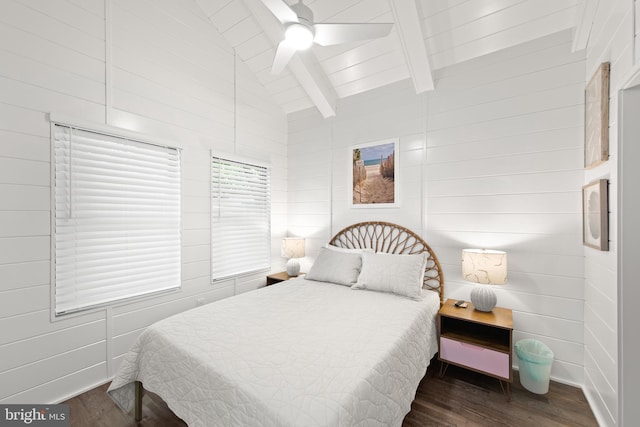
(346, 250)
(398, 274)
(332, 266)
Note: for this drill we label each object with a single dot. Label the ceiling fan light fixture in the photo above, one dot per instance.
(299, 36)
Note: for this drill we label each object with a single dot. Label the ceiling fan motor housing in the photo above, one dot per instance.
(305, 15)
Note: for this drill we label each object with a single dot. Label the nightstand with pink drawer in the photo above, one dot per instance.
(480, 341)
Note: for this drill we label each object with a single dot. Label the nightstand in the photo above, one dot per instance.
(476, 340)
(274, 278)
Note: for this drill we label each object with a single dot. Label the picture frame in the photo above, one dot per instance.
(595, 215)
(596, 120)
(374, 170)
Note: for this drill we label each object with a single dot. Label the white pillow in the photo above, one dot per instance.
(398, 274)
(332, 266)
(347, 250)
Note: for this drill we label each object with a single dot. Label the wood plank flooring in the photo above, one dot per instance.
(461, 398)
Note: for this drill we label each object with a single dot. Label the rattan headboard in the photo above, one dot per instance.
(393, 239)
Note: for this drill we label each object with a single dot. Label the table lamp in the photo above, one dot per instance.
(486, 267)
(292, 248)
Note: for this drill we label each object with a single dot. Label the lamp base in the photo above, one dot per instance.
(293, 267)
(483, 298)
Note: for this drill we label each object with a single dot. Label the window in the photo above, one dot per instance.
(240, 218)
(117, 218)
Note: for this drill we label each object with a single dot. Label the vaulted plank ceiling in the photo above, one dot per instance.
(427, 35)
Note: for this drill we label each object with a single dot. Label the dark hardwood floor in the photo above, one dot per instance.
(465, 398)
(461, 398)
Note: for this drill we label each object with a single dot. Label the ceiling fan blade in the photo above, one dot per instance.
(330, 34)
(284, 53)
(281, 10)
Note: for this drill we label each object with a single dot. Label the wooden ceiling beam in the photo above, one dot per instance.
(585, 14)
(407, 18)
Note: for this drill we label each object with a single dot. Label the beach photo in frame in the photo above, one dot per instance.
(596, 118)
(595, 215)
(374, 174)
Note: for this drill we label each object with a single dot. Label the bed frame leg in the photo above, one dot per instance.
(138, 403)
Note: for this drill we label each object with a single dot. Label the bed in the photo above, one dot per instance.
(302, 352)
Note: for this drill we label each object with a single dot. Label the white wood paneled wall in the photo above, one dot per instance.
(157, 67)
(462, 33)
(502, 169)
(611, 40)
(319, 152)
(636, 31)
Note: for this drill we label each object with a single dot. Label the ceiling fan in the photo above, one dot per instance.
(300, 31)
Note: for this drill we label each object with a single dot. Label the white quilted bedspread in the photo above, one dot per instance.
(299, 353)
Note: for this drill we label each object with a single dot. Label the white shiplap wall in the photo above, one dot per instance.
(157, 67)
(319, 149)
(611, 40)
(455, 32)
(502, 169)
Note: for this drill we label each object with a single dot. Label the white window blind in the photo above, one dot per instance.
(117, 219)
(240, 218)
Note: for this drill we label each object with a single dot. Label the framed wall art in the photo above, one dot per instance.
(596, 118)
(374, 174)
(595, 215)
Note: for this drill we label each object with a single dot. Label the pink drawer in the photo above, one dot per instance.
(472, 356)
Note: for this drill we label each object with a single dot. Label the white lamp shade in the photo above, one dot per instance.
(484, 266)
(292, 247)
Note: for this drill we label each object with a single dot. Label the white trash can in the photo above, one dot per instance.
(535, 360)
